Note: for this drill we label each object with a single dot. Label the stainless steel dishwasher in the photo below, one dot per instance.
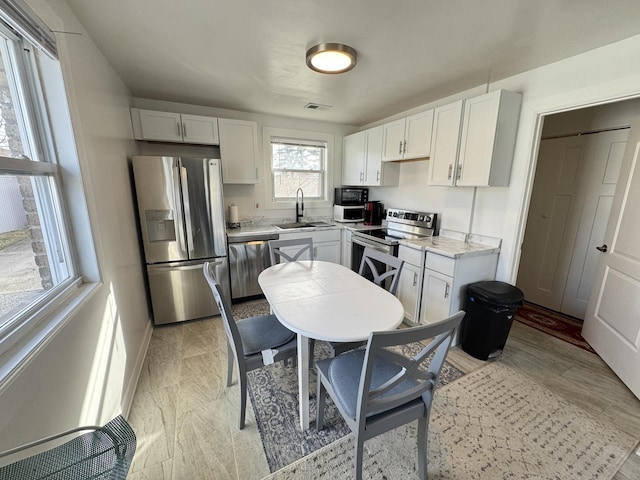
(247, 258)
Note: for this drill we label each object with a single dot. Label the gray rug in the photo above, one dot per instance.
(494, 423)
(273, 391)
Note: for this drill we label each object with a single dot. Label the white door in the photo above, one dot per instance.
(604, 152)
(612, 322)
(552, 223)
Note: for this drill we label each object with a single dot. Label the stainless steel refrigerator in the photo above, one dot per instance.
(182, 221)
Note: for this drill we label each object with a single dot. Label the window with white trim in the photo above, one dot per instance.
(36, 261)
(298, 163)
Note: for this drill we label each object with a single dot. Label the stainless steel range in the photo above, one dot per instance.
(401, 224)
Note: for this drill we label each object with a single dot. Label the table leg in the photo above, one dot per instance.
(303, 380)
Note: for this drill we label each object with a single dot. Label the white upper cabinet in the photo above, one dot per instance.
(362, 160)
(174, 127)
(239, 151)
(408, 137)
(473, 141)
(489, 127)
(445, 142)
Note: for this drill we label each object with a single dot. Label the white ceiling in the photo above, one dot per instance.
(249, 55)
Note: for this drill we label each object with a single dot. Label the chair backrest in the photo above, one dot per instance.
(230, 327)
(282, 250)
(384, 268)
(420, 373)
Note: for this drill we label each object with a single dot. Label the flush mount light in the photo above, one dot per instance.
(331, 58)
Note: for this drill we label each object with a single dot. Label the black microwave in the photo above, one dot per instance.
(349, 196)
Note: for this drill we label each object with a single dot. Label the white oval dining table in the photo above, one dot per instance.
(326, 301)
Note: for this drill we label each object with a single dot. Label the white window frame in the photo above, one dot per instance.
(302, 136)
(30, 330)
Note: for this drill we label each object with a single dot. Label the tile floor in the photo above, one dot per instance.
(186, 419)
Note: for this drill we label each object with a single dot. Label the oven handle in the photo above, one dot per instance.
(358, 240)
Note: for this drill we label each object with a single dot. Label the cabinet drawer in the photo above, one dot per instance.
(410, 255)
(440, 263)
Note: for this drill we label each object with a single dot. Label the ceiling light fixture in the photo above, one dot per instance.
(331, 58)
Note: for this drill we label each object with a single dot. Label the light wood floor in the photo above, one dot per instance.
(186, 419)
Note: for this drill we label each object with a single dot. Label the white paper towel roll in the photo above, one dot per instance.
(233, 213)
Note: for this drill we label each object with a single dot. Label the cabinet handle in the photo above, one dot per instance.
(362, 176)
(450, 171)
(378, 176)
(459, 174)
(404, 147)
(315, 252)
(178, 129)
(602, 249)
(415, 279)
(184, 130)
(446, 291)
(400, 147)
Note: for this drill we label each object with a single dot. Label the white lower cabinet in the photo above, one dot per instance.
(345, 254)
(326, 243)
(445, 282)
(410, 284)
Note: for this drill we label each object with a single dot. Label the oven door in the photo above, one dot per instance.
(358, 244)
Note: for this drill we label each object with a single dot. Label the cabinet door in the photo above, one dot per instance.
(393, 144)
(327, 251)
(198, 129)
(436, 297)
(373, 159)
(418, 135)
(239, 151)
(444, 144)
(488, 136)
(409, 291)
(353, 151)
(477, 139)
(162, 126)
(345, 248)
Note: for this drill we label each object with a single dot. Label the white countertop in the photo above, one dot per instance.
(266, 229)
(450, 247)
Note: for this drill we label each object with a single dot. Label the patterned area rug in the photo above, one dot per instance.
(494, 423)
(274, 395)
(556, 324)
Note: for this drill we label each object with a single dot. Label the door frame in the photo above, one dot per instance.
(577, 100)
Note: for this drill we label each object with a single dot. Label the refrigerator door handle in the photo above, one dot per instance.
(187, 210)
(184, 268)
(179, 220)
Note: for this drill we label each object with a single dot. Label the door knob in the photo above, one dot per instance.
(603, 248)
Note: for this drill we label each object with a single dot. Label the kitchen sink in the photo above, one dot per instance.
(286, 226)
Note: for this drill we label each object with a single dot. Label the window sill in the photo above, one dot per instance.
(20, 348)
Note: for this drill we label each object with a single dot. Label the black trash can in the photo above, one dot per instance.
(490, 307)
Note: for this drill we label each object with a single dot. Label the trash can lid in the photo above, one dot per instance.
(496, 293)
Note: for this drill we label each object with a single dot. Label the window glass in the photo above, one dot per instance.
(298, 164)
(35, 259)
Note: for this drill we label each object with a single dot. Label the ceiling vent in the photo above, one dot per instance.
(317, 106)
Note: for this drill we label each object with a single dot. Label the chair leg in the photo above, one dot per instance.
(229, 364)
(243, 398)
(422, 448)
(359, 442)
(321, 395)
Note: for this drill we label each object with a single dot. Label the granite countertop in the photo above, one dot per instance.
(454, 248)
(250, 230)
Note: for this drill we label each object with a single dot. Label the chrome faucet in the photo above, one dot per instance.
(299, 205)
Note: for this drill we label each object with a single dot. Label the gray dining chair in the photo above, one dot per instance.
(253, 342)
(281, 250)
(379, 389)
(383, 270)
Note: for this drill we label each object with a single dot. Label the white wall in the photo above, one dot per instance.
(606, 74)
(246, 197)
(88, 371)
